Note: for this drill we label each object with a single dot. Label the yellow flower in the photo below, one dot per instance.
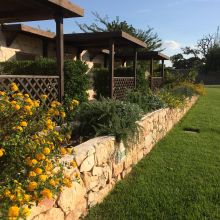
(47, 193)
(62, 114)
(75, 102)
(32, 174)
(34, 161)
(2, 93)
(49, 124)
(54, 104)
(46, 150)
(14, 87)
(63, 151)
(26, 95)
(44, 97)
(23, 124)
(7, 193)
(13, 211)
(13, 102)
(73, 164)
(43, 178)
(52, 182)
(2, 152)
(36, 103)
(27, 197)
(18, 128)
(27, 108)
(38, 170)
(40, 156)
(17, 107)
(26, 211)
(32, 186)
(67, 182)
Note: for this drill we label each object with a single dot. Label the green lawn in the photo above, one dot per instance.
(180, 178)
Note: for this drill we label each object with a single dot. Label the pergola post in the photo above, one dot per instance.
(151, 72)
(60, 55)
(45, 48)
(163, 72)
(135, 67)
(111, 67)
(78, 54)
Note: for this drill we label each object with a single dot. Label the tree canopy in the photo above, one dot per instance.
(104, 24)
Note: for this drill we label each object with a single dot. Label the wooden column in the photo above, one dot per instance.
(60, 55)
(111, 67)
(163, 72)
(135, 67)
(45, 48)
(78, 54)
(151, 72)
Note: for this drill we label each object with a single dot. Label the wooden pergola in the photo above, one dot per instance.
(12, 11)
(109, 41)
(149, 56)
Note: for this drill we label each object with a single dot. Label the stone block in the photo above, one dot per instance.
(73, 199)
(88, 164)
(52, 214)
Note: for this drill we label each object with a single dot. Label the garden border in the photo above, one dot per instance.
(102, 163)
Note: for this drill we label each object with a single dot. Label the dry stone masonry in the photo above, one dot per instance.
(102, 163)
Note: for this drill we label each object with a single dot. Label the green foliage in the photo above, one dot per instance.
(103, 24)
(109, 117)
(75, 78)
(175, 77)
(41, 66)
(171, 99)
(213, 57)
(147, 101)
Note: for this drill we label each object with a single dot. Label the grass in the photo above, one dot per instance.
(179, 179)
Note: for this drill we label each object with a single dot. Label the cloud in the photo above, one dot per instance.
(171, 45)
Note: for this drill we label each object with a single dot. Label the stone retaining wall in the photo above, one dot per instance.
(102, 163)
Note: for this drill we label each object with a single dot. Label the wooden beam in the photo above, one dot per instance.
(10, 37)
(60, 55)
(163, 72)
(111, 67)
(135, 67)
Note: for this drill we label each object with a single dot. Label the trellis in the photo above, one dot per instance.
(35, 86)
(156, 82)
(121, 85)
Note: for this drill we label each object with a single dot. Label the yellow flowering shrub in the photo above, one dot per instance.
(30, 152)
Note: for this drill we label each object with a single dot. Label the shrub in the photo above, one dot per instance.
(172, 100)
(109, 117)
(75, 78)
(42, 66)
(30, 149)
(147, 101)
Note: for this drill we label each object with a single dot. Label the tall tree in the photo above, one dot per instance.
(102, 24)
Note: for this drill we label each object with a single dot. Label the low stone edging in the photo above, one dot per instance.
(102, 163)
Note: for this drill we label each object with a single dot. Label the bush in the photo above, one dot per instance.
(41, 66)
(147, 101)
(175, 77)
(109, 117)
(75, 78)
(30, 149)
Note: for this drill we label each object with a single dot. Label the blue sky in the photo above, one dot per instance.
(178, 22)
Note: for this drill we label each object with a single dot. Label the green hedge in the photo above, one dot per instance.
(75, 77)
